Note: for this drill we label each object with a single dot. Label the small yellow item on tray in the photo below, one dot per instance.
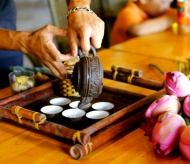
(41, 78)
(67, 89)
(21, 79)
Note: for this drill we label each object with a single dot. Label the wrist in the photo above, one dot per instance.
(21, 41)
(79, 8)
(75, 3)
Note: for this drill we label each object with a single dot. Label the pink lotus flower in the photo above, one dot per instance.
(166, 134)
(177, 83)
(167, 103)
(186, 106)
(184, 143)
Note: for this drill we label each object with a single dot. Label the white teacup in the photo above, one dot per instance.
(51, 110)
(74, 115)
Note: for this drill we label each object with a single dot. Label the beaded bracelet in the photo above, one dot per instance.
(79, 8)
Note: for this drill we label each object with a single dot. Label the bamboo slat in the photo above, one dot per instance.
(126, 70)
(47, 126)
(134, 80)
(78, 151)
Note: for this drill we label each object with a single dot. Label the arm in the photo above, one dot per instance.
(40, 44)
(152, 25)
(74, 3)
(85, 26)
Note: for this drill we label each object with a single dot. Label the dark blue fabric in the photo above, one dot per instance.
(8, 58)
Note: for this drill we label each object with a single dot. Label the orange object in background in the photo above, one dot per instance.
(183, 17)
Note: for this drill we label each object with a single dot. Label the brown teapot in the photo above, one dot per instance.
(87, 76)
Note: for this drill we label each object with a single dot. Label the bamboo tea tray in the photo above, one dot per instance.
(85, 136)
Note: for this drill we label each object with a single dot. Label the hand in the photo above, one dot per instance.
(40, 43)
(88, 27)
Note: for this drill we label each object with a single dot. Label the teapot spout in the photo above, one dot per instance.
(84, 101)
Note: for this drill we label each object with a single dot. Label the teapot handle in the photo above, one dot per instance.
(92, 49)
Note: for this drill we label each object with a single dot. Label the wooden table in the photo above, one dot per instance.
(20, 145)
(5, 93)
(164, 44)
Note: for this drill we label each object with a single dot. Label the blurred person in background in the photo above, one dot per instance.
(141, 17)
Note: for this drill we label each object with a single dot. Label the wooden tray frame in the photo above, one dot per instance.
(84, 141)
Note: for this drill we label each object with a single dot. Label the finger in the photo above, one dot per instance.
(55, 54)
(97, 36)
(57, 68)
(73, 42)
(96, 41)
(53, 70)
(61, 69)
(57, 31)
(85, 41)
(65, 57)
(102, 29)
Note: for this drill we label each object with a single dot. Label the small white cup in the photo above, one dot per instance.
(97, 114)
(74, 115)
(60, 101)
(51, 110)
(74, 104)
(106, 106)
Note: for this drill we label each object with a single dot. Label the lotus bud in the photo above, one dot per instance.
(167, 103)
(177, 83)
(184, 143)
(186, 106)
(166, 133)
